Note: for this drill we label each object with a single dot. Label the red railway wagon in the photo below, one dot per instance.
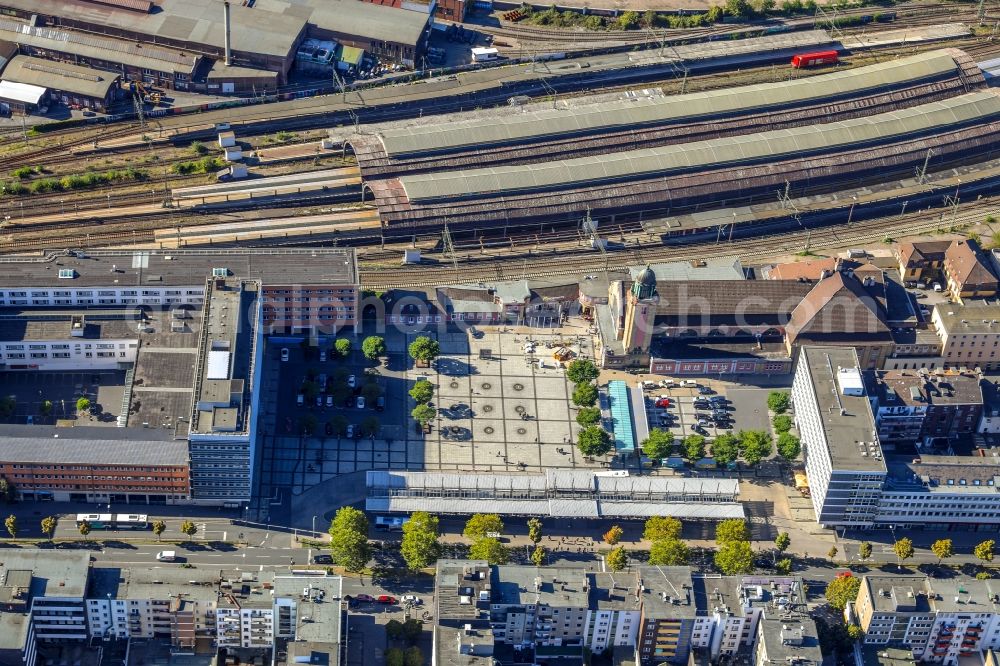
(814, 59)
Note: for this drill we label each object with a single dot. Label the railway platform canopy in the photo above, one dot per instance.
(558, 493)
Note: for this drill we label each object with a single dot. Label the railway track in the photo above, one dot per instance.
(376, 275)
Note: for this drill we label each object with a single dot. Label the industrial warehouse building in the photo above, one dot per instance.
(502, 169)
(73, 85)
(185, 35)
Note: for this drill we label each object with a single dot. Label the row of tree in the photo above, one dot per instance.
(49, 524)
(593, 440)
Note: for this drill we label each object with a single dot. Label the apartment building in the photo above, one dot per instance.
(924, 405)
(970, 334)
(42, 602)
(667, 614)
(95, 464)
(66, 340)
(843, 457)
(938, 620)
(967, 272)
(463, 632)
(787, 639)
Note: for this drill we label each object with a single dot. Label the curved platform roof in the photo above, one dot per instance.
(651, 162)
(523, 127)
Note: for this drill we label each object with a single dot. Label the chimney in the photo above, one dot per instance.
(229, 52)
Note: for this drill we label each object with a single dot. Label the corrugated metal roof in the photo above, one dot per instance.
(69, 450)
(440, 137)
(637, 164)
(60, 76)
(698, 510)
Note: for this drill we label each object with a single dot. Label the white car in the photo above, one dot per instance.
(411, 599)
(689, 383)
(284, 353)
(350, 431)
(667, 383)
(529, 348)
(352, 381)
(361, 402)
(329, 401)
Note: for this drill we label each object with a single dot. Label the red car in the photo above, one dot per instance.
(663, 402)
(386, 599)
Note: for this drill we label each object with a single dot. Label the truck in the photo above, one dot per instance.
(802, 483)
(483, 54)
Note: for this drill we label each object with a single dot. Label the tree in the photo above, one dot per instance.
(349, 539)
(413, 657)
(7, 406)
(423, 414)
(584, 395)
(943, 549)
(658, 444)
(480, 525)
(534, 530)
(338, 424)
(842, 589)
(373, 347)
(424, 349)
(789, 446)
(732, 530)
(420, 547)
(45, 408)
(779, 401)
(832, 553)
(734, 557)
(984, 551)
(371, 392)
(659, 528)
(783, 566)
(370, 427)
(782, 423)
(422, 391)
(854, 632)
(739, 8)
(629, 20)
(538, 556)
(342, 346)
(582, 371)
(594, 441)
(588, 416)
(694, 447)
(84, 528)
(613, 535)
(310, 390)
(394, 630)
(82, 405)
(49, 526)
(490, 550)
(669, 552)
(755, 445)
(159, 527)
(782, 542)
(11, 524)
(864, 550)
(617, 559)
(903, 549)
(725, 448)
(394, 657)
(188, 528)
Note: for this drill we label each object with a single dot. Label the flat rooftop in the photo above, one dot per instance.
(457, 587)
(846, 419)
(69, 324)
(91, 445)
(352, 17)
(979, 317)
(172, 268)
(935, 388)
(549, 586)
(158, 583)
(60, 573)
(668, 592)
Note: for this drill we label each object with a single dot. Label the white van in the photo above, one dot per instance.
(166, 556)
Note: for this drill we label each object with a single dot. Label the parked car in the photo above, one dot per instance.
(352, 381)
(329, 401)
(361, 402)
(648, 385)
(702, 404)
(667, 383)
(698, 429)
(718, 400)
(663, 402)
(689, 383)
(322, 559)
(411, 599)
(380, 404)
(704, 390)
(386, 599)
(319, 401)
(704, 423)
(284, 353)
(350, 431)
(365, 598)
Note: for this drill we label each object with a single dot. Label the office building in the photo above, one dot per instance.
(843, 457)
(921, 406)
(970, 334)
(42, 599)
